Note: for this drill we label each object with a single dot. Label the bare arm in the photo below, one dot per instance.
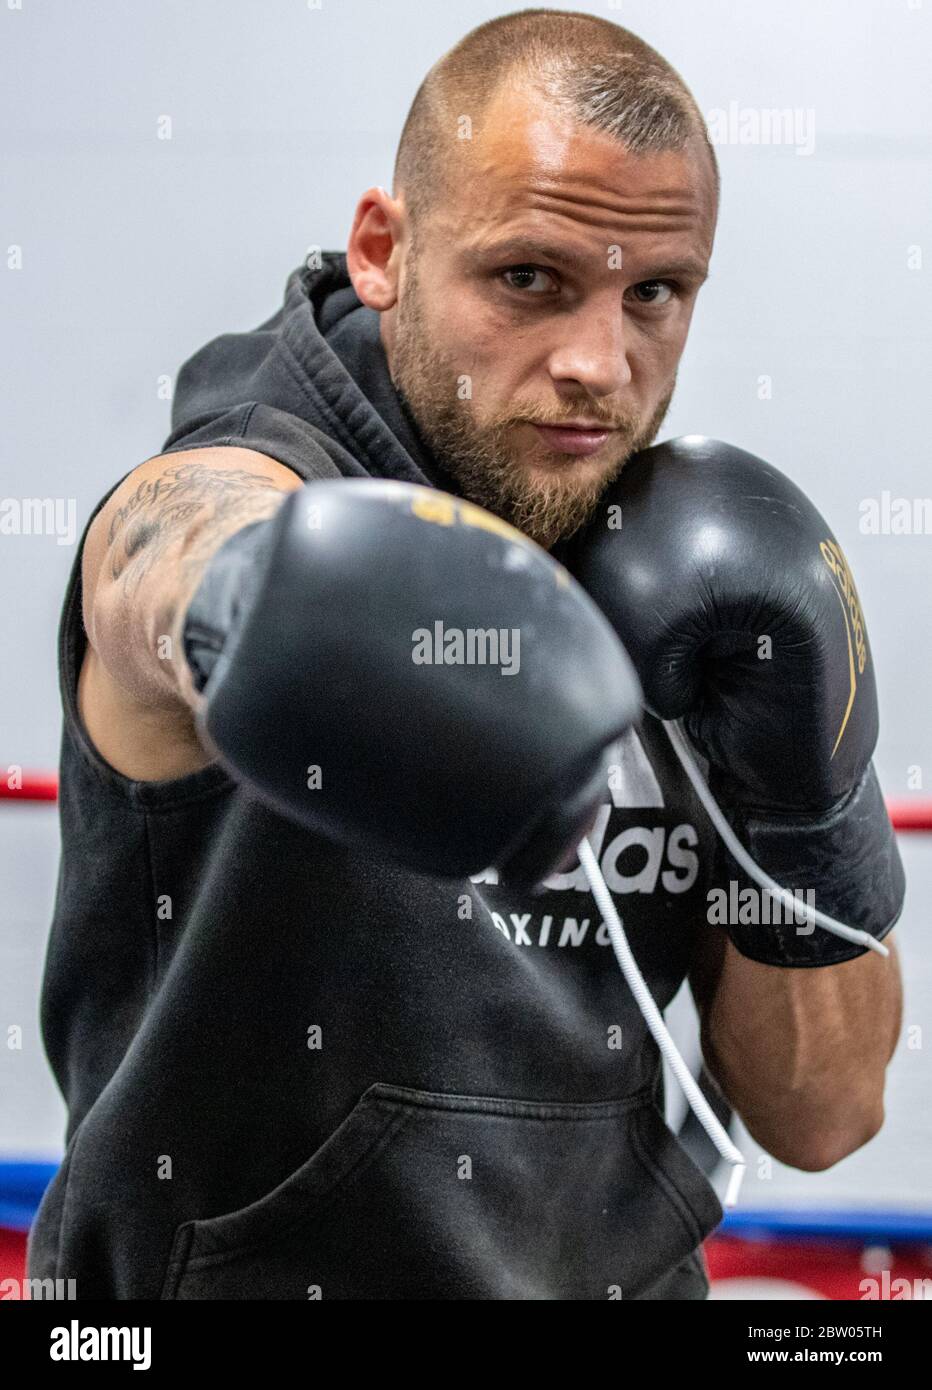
(147, 550)
(143, 559)
(801, 1055)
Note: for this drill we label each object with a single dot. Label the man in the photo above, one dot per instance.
(353, 1061)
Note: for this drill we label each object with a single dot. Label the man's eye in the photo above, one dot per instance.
(653, 291)
(524, 276)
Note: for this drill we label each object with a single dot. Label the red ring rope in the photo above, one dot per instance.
(36, 786)
(906, 813)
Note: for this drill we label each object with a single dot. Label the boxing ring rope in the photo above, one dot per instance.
(35, 786)
(907, 813)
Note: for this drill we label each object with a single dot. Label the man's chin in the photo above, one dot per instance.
(550, 505)
(566, 474)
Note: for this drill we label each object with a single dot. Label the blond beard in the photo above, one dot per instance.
(546, 508)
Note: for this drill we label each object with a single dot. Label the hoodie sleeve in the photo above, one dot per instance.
(298, 445)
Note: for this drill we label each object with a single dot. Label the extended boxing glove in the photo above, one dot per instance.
(738, 609)
(403, 672)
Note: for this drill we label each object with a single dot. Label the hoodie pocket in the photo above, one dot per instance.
(419, 1195)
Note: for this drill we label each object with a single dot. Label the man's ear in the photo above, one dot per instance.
(373, 253)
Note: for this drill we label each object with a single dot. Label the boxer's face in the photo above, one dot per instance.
(557, 285)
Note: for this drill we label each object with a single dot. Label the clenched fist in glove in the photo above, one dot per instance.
(404, 673)
(739, 611)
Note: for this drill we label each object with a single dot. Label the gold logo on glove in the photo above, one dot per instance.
(847, 594)
(444, 510)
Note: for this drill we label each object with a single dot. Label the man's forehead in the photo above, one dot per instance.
(527, 155)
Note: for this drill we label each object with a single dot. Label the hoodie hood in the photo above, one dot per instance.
(318, 360)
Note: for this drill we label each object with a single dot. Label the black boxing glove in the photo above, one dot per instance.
(739, 611)
(341, 635)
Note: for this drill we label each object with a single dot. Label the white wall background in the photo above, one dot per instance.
(135, 250)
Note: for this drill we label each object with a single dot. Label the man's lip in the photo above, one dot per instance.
(574, 439)
(578, 425)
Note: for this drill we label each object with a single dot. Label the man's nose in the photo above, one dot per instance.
(592, 352)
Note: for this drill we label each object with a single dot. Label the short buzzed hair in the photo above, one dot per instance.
(588, 68)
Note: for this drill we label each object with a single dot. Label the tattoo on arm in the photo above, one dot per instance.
(155, 515)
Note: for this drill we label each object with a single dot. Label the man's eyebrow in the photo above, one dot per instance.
(518, 250)
(688, 269)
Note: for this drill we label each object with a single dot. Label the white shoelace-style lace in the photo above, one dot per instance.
(636, 983)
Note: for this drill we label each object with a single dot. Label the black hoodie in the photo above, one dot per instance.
(293, 1070)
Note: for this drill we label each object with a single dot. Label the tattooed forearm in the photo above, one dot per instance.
(162, 512)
